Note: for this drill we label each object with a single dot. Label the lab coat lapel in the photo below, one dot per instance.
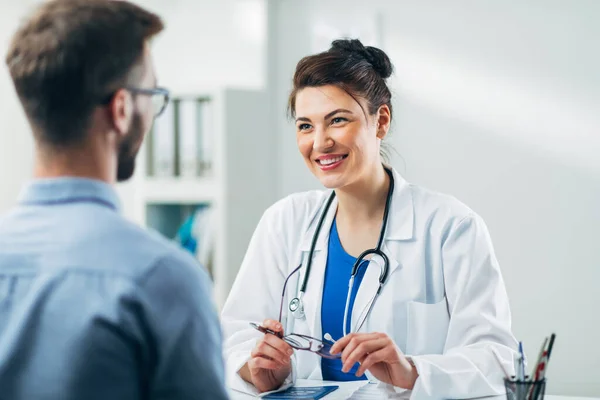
(314, 289)
(402, 211)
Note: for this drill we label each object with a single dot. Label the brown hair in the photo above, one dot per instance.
(69, 55)
(360, 71)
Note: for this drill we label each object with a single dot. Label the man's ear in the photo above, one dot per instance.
(384, 119)
(121, 111)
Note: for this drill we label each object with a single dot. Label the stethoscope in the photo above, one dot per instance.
(296, 305)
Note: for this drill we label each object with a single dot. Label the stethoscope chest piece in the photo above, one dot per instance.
(296, 307)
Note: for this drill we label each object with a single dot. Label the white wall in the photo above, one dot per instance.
(16, 154)
(497, 104)
(206, 43)
(210, 43)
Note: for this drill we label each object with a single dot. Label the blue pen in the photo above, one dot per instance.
(521, 371)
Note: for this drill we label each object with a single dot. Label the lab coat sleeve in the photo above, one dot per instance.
(254, 297)
(480, 320)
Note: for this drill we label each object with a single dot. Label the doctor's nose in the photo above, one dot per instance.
(322, 141)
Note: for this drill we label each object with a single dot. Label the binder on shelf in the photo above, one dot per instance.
(162, 145)
(167, 195)
(206, 135)
(188, 137)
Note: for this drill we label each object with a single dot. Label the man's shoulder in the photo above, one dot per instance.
(150, 247)
(168, 273)
(95, 239)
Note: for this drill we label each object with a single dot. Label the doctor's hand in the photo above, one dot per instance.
(377, 353)
(269, 362)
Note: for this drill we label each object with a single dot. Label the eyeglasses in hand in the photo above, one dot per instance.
(298, 341)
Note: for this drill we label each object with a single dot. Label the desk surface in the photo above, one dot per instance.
(359, 390)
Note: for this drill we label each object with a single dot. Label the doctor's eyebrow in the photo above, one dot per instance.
(331, 114)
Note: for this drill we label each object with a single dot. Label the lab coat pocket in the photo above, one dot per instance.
(427, 327)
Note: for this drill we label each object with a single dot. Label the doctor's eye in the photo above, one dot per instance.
(338, 120)
(304, 127)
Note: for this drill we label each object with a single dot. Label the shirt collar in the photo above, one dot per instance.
(63, 190)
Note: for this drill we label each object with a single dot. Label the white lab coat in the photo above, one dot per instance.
(444, 304)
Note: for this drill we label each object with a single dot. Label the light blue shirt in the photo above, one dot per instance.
(94, 307)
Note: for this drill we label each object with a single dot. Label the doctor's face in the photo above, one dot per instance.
(337, 139)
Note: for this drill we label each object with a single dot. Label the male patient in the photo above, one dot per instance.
(91, 306)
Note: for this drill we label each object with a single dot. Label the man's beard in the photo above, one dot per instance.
(128, 149)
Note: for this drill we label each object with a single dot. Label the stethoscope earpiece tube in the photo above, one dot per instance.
(314, 242)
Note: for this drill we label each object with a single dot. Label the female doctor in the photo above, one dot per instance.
(386, 279)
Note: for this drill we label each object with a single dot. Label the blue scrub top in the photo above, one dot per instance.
(335, 289)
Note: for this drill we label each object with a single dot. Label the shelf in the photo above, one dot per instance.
(156, 200)
(179, 190)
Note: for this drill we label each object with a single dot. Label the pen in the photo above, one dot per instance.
(520, 376)
(536, 371)
(550, 344)
(521, 371)
(543, 366)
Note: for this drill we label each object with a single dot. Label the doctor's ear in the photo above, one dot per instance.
(384, 118)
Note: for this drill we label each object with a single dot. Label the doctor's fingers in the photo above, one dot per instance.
(374, 358)
(263, 363)
(348, 343)
(273, 325)
(350, 340)
(362, 350)
(279, 344)
(265, 349)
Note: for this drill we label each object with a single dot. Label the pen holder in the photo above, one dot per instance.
(524, 390)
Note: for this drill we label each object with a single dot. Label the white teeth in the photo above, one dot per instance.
(330, 160)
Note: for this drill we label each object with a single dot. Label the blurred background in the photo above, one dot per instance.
(496, 103)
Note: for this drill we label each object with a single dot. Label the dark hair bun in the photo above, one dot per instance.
(376, 57)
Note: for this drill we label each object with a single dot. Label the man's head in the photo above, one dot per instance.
(83, 72)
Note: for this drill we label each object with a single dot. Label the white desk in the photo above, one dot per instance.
(361, 391)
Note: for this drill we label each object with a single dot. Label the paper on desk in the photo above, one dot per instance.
(345, 389)
(377, 391)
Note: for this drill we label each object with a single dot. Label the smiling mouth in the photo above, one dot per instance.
(330, 161)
